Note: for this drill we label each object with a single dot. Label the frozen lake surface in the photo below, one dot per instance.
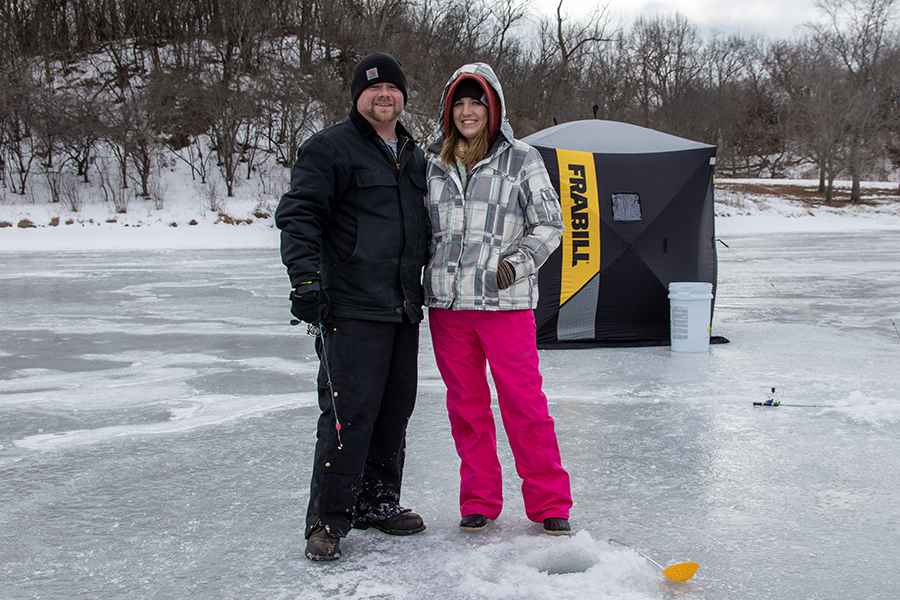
(157, 424)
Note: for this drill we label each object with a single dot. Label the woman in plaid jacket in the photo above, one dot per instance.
(495, 219)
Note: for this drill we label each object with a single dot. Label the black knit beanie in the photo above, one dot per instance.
(377, 68)
(469, 88)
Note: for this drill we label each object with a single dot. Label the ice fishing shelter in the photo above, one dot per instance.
(639, 214)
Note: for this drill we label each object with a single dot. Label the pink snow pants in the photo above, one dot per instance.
(463, 341)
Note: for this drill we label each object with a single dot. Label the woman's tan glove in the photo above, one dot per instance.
(506, 274)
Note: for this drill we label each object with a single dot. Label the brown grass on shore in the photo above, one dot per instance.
(807, 193)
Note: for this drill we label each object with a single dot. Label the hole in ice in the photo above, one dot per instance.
(565, 556)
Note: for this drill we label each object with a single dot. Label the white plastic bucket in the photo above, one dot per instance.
(689, 311)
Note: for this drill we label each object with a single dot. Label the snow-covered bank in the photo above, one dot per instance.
(769, 206)
(742, 206)
(104, 236)
(181, 224)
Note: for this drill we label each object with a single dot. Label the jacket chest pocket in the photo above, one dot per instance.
(378, 194)
(418, 181)
(379, 219)
(374, 178)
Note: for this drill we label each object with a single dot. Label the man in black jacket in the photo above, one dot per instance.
(354, 240)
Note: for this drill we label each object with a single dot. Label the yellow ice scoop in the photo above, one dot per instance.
(680, 572)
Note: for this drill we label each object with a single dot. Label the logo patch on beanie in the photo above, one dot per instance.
(372, 74)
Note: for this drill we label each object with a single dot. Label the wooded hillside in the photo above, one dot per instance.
(106, 90)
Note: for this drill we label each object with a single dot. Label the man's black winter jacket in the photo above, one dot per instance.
(355, 220)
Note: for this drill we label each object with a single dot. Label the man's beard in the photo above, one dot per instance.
(381, 117)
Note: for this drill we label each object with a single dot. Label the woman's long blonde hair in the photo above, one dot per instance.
(457, 148)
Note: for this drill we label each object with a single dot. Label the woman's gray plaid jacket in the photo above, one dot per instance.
(508, 210)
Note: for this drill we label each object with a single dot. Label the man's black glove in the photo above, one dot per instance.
(309, 302)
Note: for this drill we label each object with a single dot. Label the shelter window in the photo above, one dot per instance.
(626, 207)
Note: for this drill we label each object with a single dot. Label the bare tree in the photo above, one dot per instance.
(857, 34)
(240, 25)
(572, 43)
(180, 99)
(69, 192)
(892, 104)
(667, 53)
(749, 110)
(83, 127)
(508, 15)
(18, 90)
(288, 111)
(726, 63)
(229, 109)
(114, 192)
(819, 99)
(612, 89)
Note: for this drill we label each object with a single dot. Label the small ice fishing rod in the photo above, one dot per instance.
(317, 330)
(774, 402)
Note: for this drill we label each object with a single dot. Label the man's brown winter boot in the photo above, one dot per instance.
(321, 546)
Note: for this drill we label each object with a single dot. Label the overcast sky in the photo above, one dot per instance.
(776, 19)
